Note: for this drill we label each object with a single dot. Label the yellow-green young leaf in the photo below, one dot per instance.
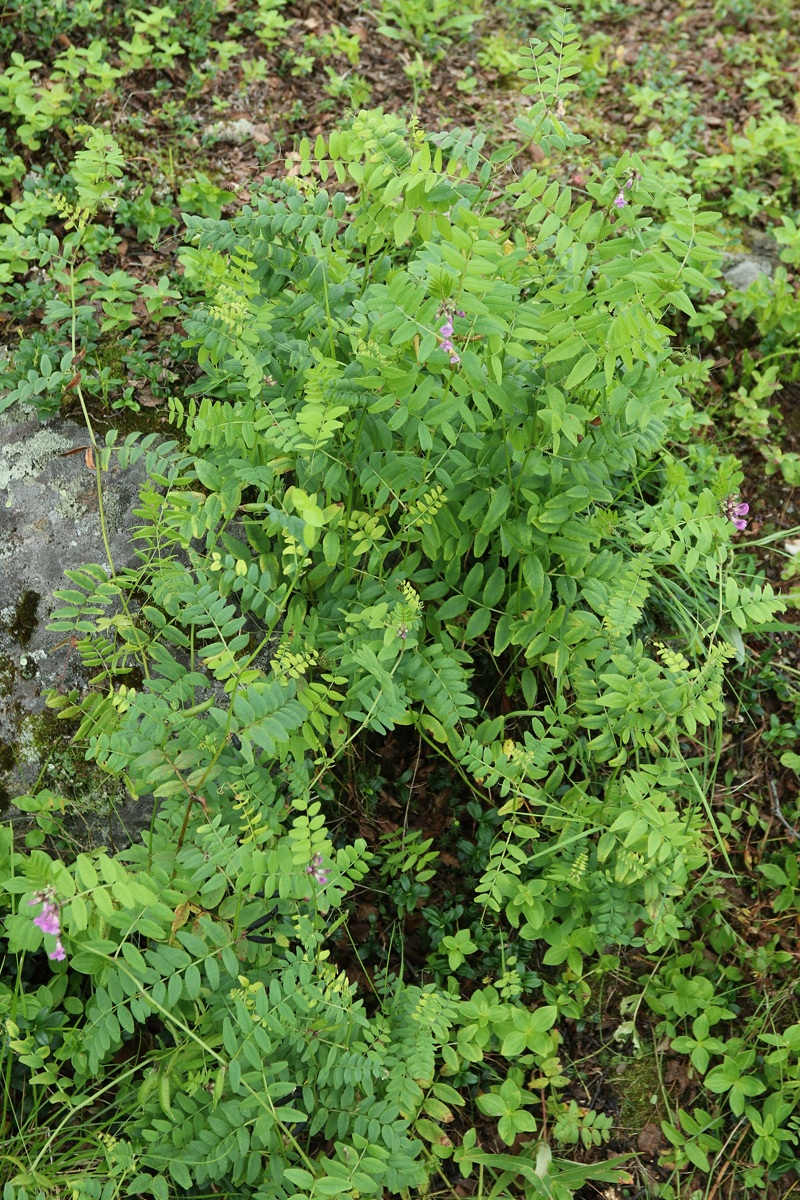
(393, 188)
(104, 862)
(682, 302)
(331, 546)
(437, 1110)
(403, 227)
(609, 366)
(102, 901)
(433, 727)
(430, 1131)
(490, 1104)
(141, 893)
(122, 894)
(731, 592)
(299, 1177)
(84, 869)
(582, 369)
(79, 913)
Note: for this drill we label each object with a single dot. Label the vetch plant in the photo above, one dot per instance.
(433, 490)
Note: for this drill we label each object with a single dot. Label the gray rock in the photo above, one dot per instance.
(49, 522)
(740, 270)
(237, 132)
(763, 243)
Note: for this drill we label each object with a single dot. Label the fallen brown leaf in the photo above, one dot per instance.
(650, 1140)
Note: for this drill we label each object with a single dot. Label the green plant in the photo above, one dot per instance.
(152, 40)
(701, 1045)
(508, 1104)
(439, 486)
(41, 21)
(338, 42)
(201, 196)
(576, 1124)
(350, 86)
(428, 27)
(34, 107)
(84, 303)
(499, 52)
(696, 1138)
(267, 22)
(146, 216)
(759, 171)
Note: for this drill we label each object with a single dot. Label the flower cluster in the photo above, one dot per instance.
(446, 333)
(49, 921)
(619, 199)
(736, 511)
(316, 870)
(408, 610)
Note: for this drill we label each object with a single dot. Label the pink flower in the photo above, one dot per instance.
(49, 921)
(446, 334)
(736, 511)
(316, 870)
(619, 200)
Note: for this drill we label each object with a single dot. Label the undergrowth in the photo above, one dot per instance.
(442, 483)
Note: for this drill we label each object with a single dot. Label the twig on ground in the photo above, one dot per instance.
(776, 808)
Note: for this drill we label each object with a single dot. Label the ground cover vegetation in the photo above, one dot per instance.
(459, 656)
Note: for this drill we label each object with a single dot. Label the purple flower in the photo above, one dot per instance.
(49, 921)
(735, 510)
(460, 312)
(446, 333)
(619, 200)
(316, 870)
